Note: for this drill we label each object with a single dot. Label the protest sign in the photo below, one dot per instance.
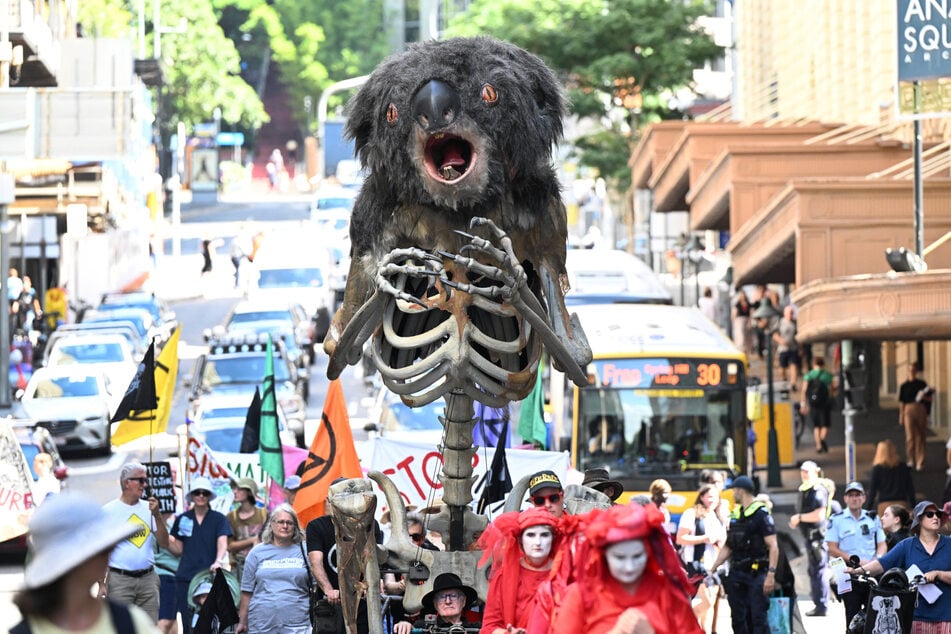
(161, 485)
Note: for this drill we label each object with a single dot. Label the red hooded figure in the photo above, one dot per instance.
(630, 579)
(522, 546)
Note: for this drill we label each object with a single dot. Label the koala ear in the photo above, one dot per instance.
(547, 93)
(361, 116)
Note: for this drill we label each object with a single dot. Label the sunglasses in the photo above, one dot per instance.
(139, 480)
(202, 493)
(417, 537)
(930, 514)
(449, 596)
(539, 500)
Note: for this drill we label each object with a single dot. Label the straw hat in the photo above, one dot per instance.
(204, 484)
(65, 531)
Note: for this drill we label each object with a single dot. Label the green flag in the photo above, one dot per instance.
(531, 418)
(270, 452)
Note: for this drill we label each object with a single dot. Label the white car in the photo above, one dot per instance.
(332, 198)
(219, 423)
(110, 353)
(74, 403)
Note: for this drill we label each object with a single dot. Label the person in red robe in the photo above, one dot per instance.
(631, 581)
(522, 546)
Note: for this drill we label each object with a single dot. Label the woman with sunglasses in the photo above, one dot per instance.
(275, 595)
(629, 578)
(200, 540)
(522, 546)
(931, 552)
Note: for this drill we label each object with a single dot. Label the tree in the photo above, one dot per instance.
(620, 60)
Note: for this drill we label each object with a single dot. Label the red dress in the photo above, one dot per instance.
(528, 581)
(666, 607)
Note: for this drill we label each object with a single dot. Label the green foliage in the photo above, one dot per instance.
(605, 51)
(104, 18)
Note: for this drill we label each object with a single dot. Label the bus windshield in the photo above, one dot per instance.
(644, 418)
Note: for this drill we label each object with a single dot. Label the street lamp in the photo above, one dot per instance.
(765, 316)
(695, 249)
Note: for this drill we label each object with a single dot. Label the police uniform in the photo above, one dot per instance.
(749, 563)
(855, 536)
(811, 497)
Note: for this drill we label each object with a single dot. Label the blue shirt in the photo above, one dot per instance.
(910, 551)
(199, 541)
(856, 536)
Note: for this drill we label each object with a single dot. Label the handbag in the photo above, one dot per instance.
(323, 614)
(778, 615)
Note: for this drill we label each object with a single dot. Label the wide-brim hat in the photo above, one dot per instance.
(245, 483)
(920, 509)
(204, 484)
(599, 480)
(448, 581)
(64, 532)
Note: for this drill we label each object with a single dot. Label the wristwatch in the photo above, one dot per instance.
(771, 569)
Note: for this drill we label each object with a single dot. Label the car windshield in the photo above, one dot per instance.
(66, 387)
(283, 278)
(261, 316)
(402, 417)
(88, 353)
(137, 321)
(241, 369)
(227, 439)
(341, 202)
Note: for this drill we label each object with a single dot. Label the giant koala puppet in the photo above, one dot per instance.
(456, 139)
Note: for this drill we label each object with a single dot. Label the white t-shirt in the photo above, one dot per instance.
(711, 526)
(136, 552)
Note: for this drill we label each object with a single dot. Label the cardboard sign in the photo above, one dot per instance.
(161, 485)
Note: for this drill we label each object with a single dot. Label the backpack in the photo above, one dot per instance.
(817, 393)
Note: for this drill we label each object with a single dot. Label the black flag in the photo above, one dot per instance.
(250, 437)
(141, 393)
(218, 611)
(498, 480)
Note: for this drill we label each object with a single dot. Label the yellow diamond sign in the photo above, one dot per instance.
(138, 537)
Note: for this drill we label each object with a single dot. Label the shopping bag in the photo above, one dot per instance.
(778, 615)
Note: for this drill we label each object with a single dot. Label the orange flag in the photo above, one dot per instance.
(332, 455)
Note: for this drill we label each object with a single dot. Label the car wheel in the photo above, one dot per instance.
(106, 450)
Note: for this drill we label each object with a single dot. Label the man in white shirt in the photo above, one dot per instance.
(131, 577)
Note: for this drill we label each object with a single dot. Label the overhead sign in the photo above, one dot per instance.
(924, 40)
(924, 58)
(230, 139)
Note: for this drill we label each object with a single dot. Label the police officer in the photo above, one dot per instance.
(753, 552)
(812, 520)
(855, 532)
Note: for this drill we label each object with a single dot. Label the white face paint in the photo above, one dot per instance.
(536, 543)
(626, 560)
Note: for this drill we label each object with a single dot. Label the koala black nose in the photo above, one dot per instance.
(435, 105)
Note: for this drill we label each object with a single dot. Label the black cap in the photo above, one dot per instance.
(745, 483)
(543, 480)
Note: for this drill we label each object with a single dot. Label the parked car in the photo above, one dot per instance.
(220, 420)
(35, 440)
(140, 318)
(124, 328)
(73, 403)
(293, 267)
(108, 352)
(162, 316)
(332, 198)
(235, 365)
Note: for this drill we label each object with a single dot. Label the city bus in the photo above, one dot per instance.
(666, 399)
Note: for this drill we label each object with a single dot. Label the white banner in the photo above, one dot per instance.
(415, 467)
(16, 486)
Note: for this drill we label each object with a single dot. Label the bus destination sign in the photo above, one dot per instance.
(668, 373)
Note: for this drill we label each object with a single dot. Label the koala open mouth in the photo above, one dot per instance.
(448, 157)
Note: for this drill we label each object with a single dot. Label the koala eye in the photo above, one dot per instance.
(391, 114)
(489, 94)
